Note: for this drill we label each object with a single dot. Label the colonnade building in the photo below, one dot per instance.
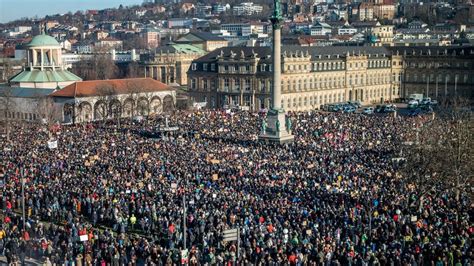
(311, 76)
(169, 64)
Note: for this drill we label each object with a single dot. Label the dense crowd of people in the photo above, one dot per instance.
(110, 195)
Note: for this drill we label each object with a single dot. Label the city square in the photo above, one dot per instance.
(333, 196)
(206, 150)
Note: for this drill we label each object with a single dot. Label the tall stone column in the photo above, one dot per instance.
(276, 90)
(276, 127)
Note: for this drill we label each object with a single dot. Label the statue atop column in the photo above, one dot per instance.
(276, 116)
(277, 17)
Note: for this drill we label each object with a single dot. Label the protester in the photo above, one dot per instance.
(114, 196)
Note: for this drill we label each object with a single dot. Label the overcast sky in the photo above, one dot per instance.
(15, 9)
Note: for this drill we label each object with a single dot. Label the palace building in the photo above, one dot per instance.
(438, 72)
(311, 76)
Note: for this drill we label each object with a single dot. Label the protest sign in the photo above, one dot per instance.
(53, 144)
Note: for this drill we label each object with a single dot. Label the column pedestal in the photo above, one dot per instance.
(276, 133)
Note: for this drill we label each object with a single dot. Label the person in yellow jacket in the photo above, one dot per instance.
(133, 221)
(2, 233)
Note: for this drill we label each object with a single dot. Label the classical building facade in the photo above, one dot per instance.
(437, 71)
(311, 76)
(169, 64)
(106, 99)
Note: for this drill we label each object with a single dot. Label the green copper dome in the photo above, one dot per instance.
(43, 40)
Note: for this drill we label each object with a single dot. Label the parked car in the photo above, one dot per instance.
(368, 110)
(426, 100)
(384, 109)
(349, 109)
(356, 104)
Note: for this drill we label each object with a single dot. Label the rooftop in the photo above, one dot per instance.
(44, 76)
(93, 88)
(43, 40)
(180, 49)
(20, 92)
(315, 52)
(200, 36)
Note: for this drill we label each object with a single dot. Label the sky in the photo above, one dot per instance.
(15, 9)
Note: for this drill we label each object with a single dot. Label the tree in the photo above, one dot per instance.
(108, 104)
(133, 70)
(48, 111)
(440, 158)
(98, 67)
(456, 124)
(6, 68)
(133, 94)
(7, 107)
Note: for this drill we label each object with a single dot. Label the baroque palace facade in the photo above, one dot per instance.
(311, 76)
(438, 72)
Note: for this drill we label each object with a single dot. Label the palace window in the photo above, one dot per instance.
(237, 84)
(226, 84)
(263, 85)
(204, 66)
(247, 84)
(213, 67)
(194, 66)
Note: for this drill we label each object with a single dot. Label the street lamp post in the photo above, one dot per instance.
(23, 198)
(184, 218)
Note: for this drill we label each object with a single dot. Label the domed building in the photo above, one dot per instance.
(44, 68)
